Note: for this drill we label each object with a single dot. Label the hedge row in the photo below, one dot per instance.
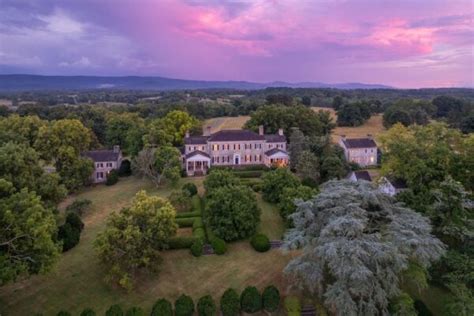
(188, 214)
(231, 304)
(186, 221)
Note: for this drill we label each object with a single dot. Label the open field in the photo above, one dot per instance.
(373, 126)
(78, 282)
(229, 122)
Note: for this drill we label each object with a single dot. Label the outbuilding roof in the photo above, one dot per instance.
(359, 143)
(274, 151)
(102, 155)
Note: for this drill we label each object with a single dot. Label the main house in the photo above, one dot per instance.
(233, 148)
(362, 151)
(104, 162)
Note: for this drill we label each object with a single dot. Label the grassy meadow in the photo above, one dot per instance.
(78, 282)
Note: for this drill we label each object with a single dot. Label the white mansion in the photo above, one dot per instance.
(233, 148)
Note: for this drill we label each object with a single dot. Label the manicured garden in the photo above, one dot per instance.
(77, 282)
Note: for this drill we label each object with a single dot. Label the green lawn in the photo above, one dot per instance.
(77, 281)
(271, 223)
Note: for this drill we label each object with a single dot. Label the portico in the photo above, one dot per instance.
(197, 163)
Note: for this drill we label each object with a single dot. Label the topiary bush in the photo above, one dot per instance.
(112, 177)
(271, 298)
(186, 221)
(250, 300)
(75, 221)
(196, 248)
(162, 307)
(181, 242)
(184, 306)
(191, 188)
(230, 304)
(125, 169)
(199, 233)
(69, 236)
(219, 246)
(88, 312)
(135, 311)
(292, 306)
(260, 242)
(206, 306)
(114, 310)
(63, 313)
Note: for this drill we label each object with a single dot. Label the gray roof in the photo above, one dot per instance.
(275, 138)
(102, 155)
(197, 152)
(359, 142)
(196, 140)
(231, 135)
(274, 151)
(363, 175)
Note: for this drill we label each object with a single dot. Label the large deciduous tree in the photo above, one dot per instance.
(125, 130)
(275, 181)
(232, 212)
(133, 238)
(357, 242)
(27, 230)
(157, 164)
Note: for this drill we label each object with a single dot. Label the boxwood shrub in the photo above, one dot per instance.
(230, 303)
(260, 242)
(69, 236)
(206, 306)
(191, 188)
(196, 248)
(162, 307)
(271, 298)
(75, 221)
(292, 306)
(199, 233)
(112, 177)
(250, 300)
(88, 312)
(198, 223)
(181, 242)
(219, 246)
(63, 313)
(114, 310)
(184, 306)
(185, 222)
(135, 311)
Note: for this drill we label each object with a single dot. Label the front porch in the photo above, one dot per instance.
(197, 163)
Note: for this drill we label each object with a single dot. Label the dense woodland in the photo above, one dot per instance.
(359, 246)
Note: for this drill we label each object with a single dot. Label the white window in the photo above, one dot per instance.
(109, 165)
(100, 175)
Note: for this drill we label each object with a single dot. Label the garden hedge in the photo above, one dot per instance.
(181, 242)
(271, 298)
(135, 311)
(206, 306)
(196, 248)
(219, 246)
(250, 300)
(188, 214)
(230, 303)
(184, 306)
(292, 306)
(112, 177)
(88, 312)
(162, 307)
(199, 233)
(186, 222)
(190, 188)
(114, 310)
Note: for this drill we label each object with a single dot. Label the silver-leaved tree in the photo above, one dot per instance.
(356, 244)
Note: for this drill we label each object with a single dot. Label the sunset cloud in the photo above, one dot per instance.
(258, 40)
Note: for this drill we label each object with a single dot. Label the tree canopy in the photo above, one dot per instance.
(357, 241)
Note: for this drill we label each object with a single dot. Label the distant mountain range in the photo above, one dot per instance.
(37, 82)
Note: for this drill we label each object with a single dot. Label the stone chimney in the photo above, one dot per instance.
(207, 131)
(116, 149)
(260, 130)
(187, 134)
(280, 131)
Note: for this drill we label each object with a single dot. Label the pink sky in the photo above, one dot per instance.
(417, 43)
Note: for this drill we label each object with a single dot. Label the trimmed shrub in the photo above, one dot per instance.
(181, 242)
(198, 223)
(135, 311)
(260, 242)
(69, 236)
(186, 222)
(248, 173)
(88, 312)
(75, 221)
(250, 300)
(196, 248)
(219, 246)
(114, 310)
(112, 177)
(63, 313)
(191, 188)
(199, 233)
(184, 306)
(188, 214)
(162, 307)
(125, 169)
(230, 304)
(271, 298)
(206, 306)
(292, 306)
(78, 206)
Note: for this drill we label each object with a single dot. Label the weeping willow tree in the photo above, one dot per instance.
(356, 244)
